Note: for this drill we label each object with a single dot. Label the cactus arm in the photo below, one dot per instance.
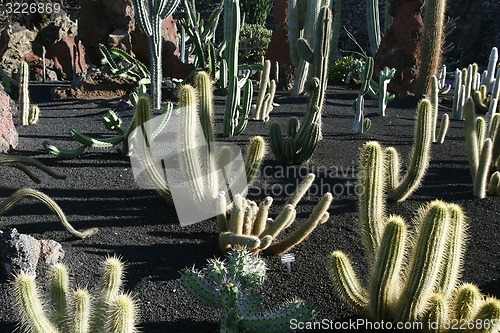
(278, 320)
(443, 129)
(95, 143)
(203, 85)
(122, 315)
(253, 157)
(63, 153)
(437, 312)
(371, 202)
(494, 185)
(334, 44)
(264, 82)
(280, 222)
(435, 105)
(309, 145)
(22, 163)
(318, 215)
(489, 312)
(196, 285)
(30, 306)
(471, 141)
(59, 287)
(15, 198)
(467, 300)
(301, 190)
(385, 279)
(229, 239)
(385, 97)
(346, 283)
(293, 30)
(492, 64)
(454, 252)
(420, 154)
(425, 261)
(481, 179)
(80, 319)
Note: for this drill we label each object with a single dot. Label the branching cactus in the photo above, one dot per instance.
(401, 187)
(249, 225)
(267, 89)
(432, 44)
(112, 122)
(24, 97)
(361, 124)
(303, 138)
(373, 21)
(71, 311)
(442, 86)
(483, 151)
(151, 14)
(445, 120)
(235, 287)
(240, 90)
(384, 97)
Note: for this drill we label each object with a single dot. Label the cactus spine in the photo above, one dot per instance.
(24, 98)
(432, 44)
(302, 140)
(119, 313)
(150, 14)
(233, 286)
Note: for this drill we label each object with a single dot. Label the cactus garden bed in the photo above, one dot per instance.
(142, 228)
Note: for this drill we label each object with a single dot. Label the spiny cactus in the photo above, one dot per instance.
(443, 128)
(72, 313)
(265, 99)
(33, 114)
(24, 97)
(400, 188)
(303, 138)
(445, 120)
(432, 44)
(249, 225)
(235, 287)
(151, 14)
(483, 151)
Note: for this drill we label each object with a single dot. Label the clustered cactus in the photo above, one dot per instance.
(267, 89)
(234, 286)
(302, 138)
(410, 280)
(483, 151)
(113, 310)
(250, 226)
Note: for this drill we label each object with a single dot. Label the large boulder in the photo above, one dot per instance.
(400, 46)
(113, 23)
(8, 133)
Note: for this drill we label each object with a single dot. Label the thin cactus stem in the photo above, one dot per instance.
(24, 98)
(373, 21)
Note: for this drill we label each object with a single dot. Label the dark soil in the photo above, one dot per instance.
(143, 229)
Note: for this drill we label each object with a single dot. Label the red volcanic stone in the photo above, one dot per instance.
(68, 54)
(8, 133)
(400, 46)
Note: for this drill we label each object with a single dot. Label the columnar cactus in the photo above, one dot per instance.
(483, 151)
(489, 75)
(267, 89)
(373, 21)
(235, 287)
(237, 105)
(150, 14)
(401, 188)
(360, 123)
(33, 114)
(24, 97)
(249, 225)
(432, 44)
(117, 310)
(303, 137)
(384, 97)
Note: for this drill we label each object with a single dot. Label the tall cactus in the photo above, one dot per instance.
(432, 44)
(303, 138)
(373, 21)
(24, 97)
(151, 14)
(118, 312)
(237, 108)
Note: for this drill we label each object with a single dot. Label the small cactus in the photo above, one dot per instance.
(24, 97)
(118, 311)
(234, 286)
